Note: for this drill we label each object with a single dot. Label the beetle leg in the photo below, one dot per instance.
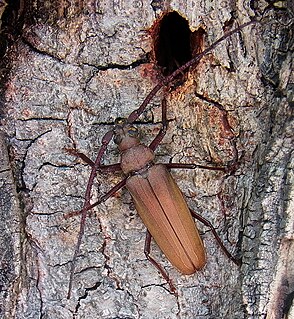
(82, 156)
(158, 138)
(105, 168)
(110, 168)
(193, 166)
(230, 169)
(156, 264)
(102, 199)
(219, 241)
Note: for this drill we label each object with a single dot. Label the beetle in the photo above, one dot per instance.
(156, 196)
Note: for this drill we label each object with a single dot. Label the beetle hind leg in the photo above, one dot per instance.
(164, 274)
(207, 223)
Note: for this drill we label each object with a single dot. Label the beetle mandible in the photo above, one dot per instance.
(156, 196)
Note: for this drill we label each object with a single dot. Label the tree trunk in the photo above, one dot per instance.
(70, 71)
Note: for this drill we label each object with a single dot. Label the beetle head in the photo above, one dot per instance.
(126, 135)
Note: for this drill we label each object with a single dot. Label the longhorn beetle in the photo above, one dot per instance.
(156, 196)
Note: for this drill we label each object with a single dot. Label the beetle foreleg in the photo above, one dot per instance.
(219, 241)
(157, 140)
(156, 264)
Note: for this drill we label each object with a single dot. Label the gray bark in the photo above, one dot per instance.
(73, 71)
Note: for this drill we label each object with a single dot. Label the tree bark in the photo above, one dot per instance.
(73, 69)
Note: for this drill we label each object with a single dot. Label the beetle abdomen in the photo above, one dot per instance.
(165, 213)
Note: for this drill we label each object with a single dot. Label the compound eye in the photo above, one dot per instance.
(120, 121)
(133, 131)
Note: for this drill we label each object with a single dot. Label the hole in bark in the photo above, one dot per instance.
(174, 43)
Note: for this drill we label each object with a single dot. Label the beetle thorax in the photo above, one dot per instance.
(134, 155)
(136, 158)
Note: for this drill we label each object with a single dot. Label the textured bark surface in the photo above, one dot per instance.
(73, 70)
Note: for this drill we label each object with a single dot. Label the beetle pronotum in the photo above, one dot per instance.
(157, 198)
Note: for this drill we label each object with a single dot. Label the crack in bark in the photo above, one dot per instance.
(87, 290)
(114, 66)
(42, 52)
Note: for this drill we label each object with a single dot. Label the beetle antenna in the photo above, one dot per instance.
(105, 141)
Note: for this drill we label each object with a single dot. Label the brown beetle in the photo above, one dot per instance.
(157, 197)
